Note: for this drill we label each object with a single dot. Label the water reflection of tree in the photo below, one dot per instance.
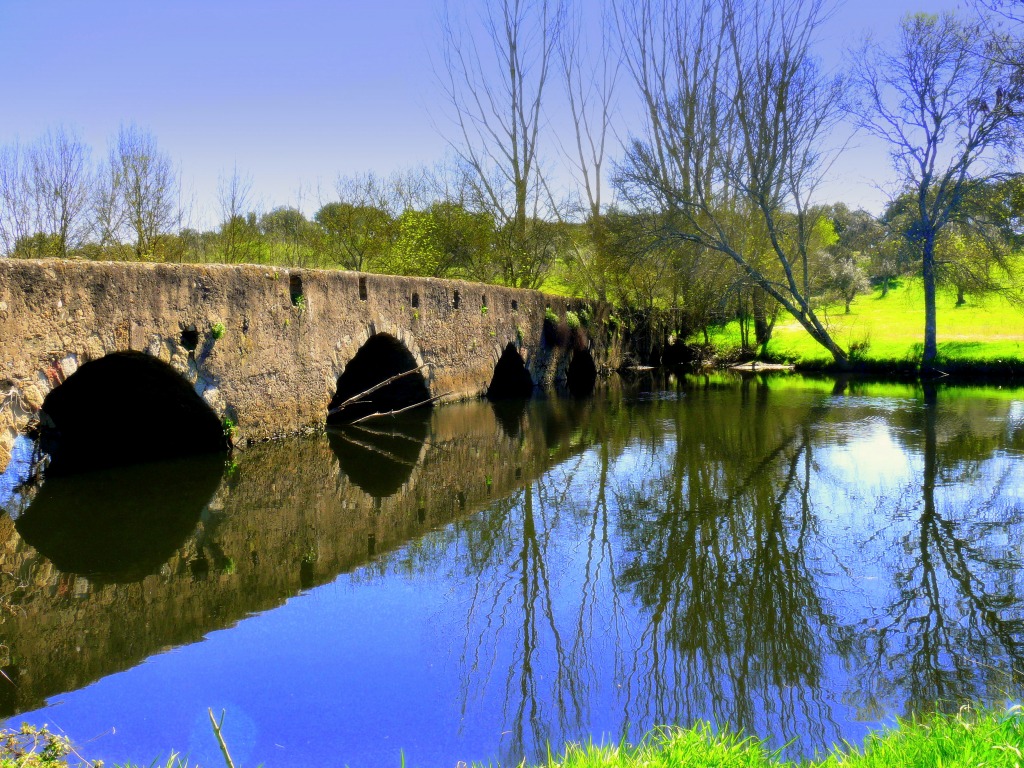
(702, 566)
(716, 555)
(954, 630)
(525, 632)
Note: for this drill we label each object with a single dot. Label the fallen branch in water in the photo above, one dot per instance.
(371, 390)
(397, 411)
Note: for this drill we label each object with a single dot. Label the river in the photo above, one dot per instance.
(800, 558)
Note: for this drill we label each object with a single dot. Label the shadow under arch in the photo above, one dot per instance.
(380, 457)
(119, 525)
(380, 358)
(511, 379)
(581, 376)
(125, 408)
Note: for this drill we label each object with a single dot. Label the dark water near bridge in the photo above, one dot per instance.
(800, 559)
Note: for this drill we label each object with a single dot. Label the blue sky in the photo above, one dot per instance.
(293, 93)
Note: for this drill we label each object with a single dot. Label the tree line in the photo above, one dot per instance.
(708, 206)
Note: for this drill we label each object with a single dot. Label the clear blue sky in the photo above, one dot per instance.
(294, 92)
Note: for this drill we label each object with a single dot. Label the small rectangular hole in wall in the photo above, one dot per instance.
(515, 305)
(483, 301)
(295, 289)
(189, 338)
(415, 300)
(456, 300)
(362, 289)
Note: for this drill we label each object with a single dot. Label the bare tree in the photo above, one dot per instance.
(238, 221)
(738, 114)
(61, 189)
(590, 73)
(496, 77)
(17, 218)
(143, 182)
(951, 114)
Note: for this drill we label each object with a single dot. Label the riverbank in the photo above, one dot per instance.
(967, 739)
(981, 339)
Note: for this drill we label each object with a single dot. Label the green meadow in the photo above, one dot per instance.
(889, 331)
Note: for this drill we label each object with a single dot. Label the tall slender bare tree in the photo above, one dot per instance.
(144, 183)
(237, 227)
(590, 71)
(17, 218)
(496, 74)
(61, 176)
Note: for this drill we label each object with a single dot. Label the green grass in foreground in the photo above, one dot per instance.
(890, 330)
(969, 739)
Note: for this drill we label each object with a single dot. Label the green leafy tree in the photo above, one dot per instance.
(352, 236)
(445, 240)
(287, 233)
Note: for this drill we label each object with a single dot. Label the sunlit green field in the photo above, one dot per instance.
(891, 329)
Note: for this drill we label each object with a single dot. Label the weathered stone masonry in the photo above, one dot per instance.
(263, 346)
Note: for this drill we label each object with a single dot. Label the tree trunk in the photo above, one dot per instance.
(928, 275)
(762, 326)
(960, 299)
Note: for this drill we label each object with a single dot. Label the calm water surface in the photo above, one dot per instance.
(800, 559)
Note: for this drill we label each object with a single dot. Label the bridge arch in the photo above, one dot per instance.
(511, 379)
(581, 375)
(380, 357)
(125, 408)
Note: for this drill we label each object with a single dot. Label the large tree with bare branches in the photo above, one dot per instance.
(738, 113)
(951, 113)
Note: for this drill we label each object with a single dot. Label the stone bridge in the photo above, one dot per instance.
(158, 359)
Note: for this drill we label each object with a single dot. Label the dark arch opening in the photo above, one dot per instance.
(119, 525)
(380, 358)
(511, 379)
(125, 408)
(581, 376)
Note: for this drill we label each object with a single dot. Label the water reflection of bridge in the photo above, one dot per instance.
(287, 516)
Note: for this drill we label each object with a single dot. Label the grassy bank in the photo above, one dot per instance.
(965, 740)
(969, 739)
(985, 335)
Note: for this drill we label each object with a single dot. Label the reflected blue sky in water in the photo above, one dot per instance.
(798, 564)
